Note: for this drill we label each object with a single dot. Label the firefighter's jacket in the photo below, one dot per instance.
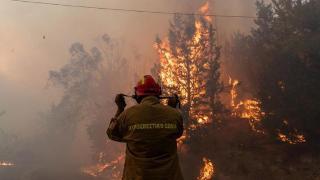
(150, 130)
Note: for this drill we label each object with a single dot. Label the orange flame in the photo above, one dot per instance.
(6, 164)
(204, 10)
(207, 171)
(250, 109)
(98, 169)
(170, 64)
(293, 138)
(247, 109)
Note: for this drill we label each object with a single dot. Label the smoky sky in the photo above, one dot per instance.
(35, 39)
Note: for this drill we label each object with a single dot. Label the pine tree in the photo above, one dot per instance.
(189, 65)
(281, 59)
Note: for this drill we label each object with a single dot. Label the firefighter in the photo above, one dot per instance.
(150, 131)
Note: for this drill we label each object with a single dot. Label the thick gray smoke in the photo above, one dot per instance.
(43, 123)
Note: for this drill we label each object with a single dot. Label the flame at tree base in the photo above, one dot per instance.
(207, 171)
(97, 169)
(246, 109)
(293, 139)
(250, 109)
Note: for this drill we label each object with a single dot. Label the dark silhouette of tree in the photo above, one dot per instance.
(281, 59)
(89, 85)
(78, 79)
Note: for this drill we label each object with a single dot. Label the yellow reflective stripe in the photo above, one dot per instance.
(153, 126)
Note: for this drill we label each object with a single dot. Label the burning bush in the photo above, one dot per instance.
(280, 59)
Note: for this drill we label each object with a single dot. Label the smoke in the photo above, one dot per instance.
(226, 27)
(40, 131)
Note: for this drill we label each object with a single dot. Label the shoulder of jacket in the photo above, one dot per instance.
(172, 110)
(132, 109)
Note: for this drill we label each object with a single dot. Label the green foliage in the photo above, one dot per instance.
(281, 59)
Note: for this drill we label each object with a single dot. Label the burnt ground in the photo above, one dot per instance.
(242, 154)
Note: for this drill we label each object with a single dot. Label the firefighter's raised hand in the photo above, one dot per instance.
(174, 101)
(120, 101)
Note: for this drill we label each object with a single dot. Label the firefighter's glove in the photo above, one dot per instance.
(120, 101)
(174, 101)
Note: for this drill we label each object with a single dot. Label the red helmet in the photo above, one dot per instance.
(147, 87)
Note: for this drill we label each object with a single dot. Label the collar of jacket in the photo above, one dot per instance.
(150, 100)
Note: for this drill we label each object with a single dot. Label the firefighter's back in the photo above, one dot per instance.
(151, 133)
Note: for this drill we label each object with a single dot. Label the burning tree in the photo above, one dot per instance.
(280, 58)
(189, 65)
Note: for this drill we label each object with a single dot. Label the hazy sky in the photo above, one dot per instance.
(26, 57)
(35, 39)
